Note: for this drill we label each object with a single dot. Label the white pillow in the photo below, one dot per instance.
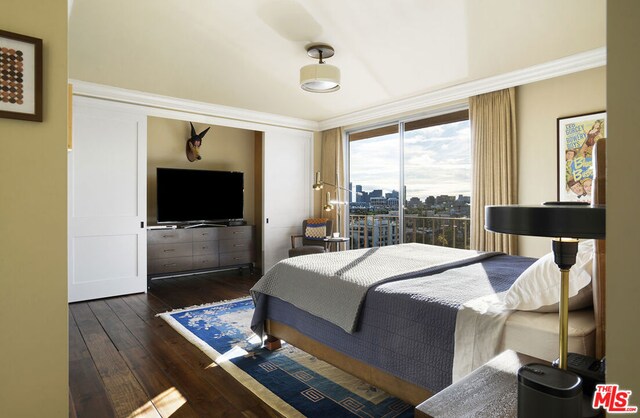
(538, 287)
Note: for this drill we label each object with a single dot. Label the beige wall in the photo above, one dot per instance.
(538, 107)
(223, 148)
(623, 175)
(33, 225)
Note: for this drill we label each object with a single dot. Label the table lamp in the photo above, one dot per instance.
(565, 222)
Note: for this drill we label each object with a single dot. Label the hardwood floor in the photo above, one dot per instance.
(126, 362)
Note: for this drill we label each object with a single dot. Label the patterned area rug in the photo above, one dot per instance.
(289, 380)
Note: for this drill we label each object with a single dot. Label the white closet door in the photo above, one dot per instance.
(288, 165)
(107, 201)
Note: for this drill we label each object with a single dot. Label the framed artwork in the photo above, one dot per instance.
(576, 138)
(20, 77)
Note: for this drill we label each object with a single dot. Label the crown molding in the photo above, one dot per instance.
(563, 66)
(158, 105)
(166, 103)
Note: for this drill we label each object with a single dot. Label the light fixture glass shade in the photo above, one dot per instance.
(320, 78)
(328, 207)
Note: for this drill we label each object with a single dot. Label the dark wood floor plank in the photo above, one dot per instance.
(203, 288)
(89, 396)
(156, 384)
(237, 394)
(125, 338)
(125, 392)
(186, 372)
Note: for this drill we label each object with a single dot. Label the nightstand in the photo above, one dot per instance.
(489, 391)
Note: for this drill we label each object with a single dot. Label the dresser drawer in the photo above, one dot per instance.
(234, 245)
(236, 232)
(169, 250)
(169, 236)
(173, 252)
(169, 265)
(205, 261)
(205, 247)
(205, 234)
(229, 259)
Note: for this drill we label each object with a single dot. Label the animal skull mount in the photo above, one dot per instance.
(193, 143)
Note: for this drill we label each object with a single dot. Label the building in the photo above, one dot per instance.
(378, 202)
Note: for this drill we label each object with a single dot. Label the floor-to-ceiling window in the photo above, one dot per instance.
(411, 182)
(374, 180)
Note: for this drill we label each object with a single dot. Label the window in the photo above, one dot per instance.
(426, 164)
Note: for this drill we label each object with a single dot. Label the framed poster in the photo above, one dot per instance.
(576, 138)
(20, 77)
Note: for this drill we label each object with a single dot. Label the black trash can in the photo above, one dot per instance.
(546, 391)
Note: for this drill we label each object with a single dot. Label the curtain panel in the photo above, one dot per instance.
(495, 173)
(332, 171)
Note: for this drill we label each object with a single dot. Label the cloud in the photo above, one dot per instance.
(437, 161)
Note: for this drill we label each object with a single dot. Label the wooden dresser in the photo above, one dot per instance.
(173, 252)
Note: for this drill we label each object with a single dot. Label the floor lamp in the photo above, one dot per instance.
(328, 206)
(563, 221)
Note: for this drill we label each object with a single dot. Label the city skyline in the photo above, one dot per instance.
(408, 197)
(437, 161)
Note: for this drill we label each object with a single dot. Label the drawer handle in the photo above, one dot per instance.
(238, 232)
(167, 236)
(238, 245)
(169, 265)
(205, 248)
(169, 250)
(204, 234)
(237, 258)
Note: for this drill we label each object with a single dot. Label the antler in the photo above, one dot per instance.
(203, 133)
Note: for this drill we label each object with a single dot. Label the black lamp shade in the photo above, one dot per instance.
(548, 220)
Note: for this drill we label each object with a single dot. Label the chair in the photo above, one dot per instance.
(314, 231)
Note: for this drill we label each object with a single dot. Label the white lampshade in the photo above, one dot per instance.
(320, 78)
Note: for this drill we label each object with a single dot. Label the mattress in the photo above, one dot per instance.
(536, 334)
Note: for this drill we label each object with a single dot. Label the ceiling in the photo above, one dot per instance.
(247, 53)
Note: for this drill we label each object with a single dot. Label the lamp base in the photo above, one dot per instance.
(544, 391)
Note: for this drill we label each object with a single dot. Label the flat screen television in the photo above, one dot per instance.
(199, 196)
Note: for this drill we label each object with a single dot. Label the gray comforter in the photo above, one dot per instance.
(332, 286)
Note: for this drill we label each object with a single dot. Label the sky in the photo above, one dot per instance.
(437, 161)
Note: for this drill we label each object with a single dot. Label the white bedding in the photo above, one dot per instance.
(485, 328)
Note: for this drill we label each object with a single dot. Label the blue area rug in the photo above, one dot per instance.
(289, 380)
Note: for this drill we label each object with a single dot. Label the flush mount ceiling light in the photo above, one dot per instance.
(320, 77)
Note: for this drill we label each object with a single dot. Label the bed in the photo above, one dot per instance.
(412, 318)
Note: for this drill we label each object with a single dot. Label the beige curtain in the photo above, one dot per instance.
(332, 171)
(495, 172)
